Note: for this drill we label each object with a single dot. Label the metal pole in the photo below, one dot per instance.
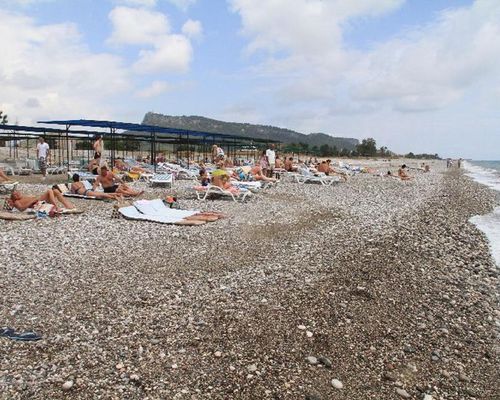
(67, 143)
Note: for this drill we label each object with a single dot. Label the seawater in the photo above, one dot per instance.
(487, 173)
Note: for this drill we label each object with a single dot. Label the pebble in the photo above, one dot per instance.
(218, 354)
(403, 393)
(309, 334)
(302, 327)
(312, 360)
(325, 361)
(67, 386)
(252, 368)
(313, 395)
(427, 397)
(337, 384)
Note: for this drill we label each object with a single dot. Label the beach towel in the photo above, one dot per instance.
(24, 336)
(155, 211)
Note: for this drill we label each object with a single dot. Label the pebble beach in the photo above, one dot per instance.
(370, 289)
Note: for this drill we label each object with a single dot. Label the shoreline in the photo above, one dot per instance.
(393, 283)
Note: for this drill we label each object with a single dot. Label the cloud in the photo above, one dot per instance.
(192, 29)
(134, 26)
(162, 51)
(138, 3)
(448, 65)
(47, 71)
(182, 4)
(424, 68)
(172, 54)
(155, 89)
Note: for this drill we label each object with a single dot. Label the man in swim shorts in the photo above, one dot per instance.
(113, 184)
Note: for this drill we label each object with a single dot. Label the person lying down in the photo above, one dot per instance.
(22, 202)
(77, 187)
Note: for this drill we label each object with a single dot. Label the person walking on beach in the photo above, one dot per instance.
(43, 154)
(271, 160)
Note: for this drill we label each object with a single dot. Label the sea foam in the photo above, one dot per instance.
(489, 224)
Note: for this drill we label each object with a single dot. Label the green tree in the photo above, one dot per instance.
(324, 150)
(3, 118)
(367, 147)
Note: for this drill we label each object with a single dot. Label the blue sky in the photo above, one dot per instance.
(421, 76)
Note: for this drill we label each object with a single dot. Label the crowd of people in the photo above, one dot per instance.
(222, 173)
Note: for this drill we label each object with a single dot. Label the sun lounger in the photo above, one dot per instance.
(202, 192)
(162, 180)
(65, 190)
(84, 175)
(306, 176)
(8, 187)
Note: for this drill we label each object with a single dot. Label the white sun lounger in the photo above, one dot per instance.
(202, 192)
(162, 180)
(306, 176)
(8, 187)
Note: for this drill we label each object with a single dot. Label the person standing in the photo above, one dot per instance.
(43, 155)
(271, 160)
(98, 146)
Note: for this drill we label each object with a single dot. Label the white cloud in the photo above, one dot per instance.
(162, 50)
(172, 54)
(428, 69)
(138, 3)
(137, 26)
(155, 89)
(46, 72)
(192, 29)
(182, 4)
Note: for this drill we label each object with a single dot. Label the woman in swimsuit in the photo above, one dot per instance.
(78, 187)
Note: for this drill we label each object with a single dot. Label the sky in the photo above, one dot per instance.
(416, 75)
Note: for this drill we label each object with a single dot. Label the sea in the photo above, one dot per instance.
(487, 173)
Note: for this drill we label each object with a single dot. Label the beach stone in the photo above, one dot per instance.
(309, 334)
(325, 361)
(312, 360)
(134, 377)
(302, 327)
(218, 354)
(337, 384)
(67, 386)
(313, 395)
(427, 397)
(252, 368)
(403, 393)
(120, 366)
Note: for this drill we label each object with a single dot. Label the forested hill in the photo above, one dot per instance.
(256, 131)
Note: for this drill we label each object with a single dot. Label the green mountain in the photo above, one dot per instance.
(256, 131)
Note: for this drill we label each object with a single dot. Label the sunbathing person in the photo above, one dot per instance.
(51, 196)
(94, 165)
(289, 165)
(204, 179)
(223, 181)
(4, 178)
(77, 187)
(402, 173)
(323, 167)
(113, 184)
(258, 175)
(278, 164)
(342, 175)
